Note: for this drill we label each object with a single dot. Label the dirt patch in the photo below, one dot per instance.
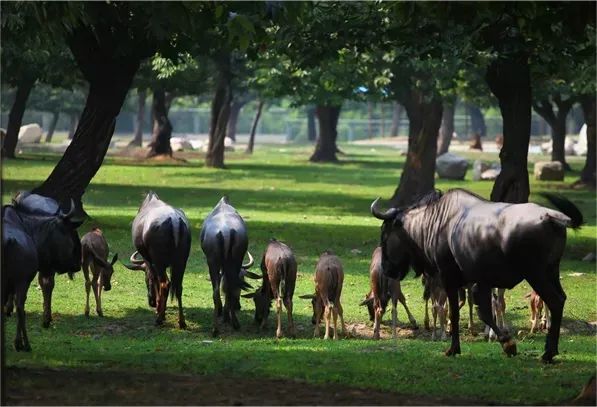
(77, 387)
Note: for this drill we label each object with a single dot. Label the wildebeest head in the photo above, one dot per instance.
(368, 301)
(396, 253)
(138, 263)
(107, 271)
(316, 304)
(263, 301)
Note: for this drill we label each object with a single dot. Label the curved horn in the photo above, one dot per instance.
(135, 260)
(389, 214)
(70, 212)
(251, 261)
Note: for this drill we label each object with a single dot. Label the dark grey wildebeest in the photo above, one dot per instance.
(94, 258)
(36, 236)
(224, 241)
(162, 237)
(467, 239)
(278, 267)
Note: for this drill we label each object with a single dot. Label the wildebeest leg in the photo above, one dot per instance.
(318, 316)
(394, 316)
(554, 297)
(334, 311)
(327, 316)
(98, 297)
(452, 293)
(279, 316)
(21, 340)
(377, 318)
(87, 287)
(411, 318)
(426, 320)
(469, 295)
(482, 295)
(288, 305)
(434, 307)
(47, 286)
(214, 276)
(8, 306)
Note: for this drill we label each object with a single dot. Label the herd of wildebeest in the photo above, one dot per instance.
(463, 245)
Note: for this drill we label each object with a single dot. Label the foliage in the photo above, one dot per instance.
(312, 208)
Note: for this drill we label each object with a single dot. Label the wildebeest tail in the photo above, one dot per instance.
(566, 207)
(180, 230)
(231, 275)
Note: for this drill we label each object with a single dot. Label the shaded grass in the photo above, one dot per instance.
(312, 208)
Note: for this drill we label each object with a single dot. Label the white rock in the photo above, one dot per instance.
(451, 166)
(180, 144)
(546, 147)
(196, 143)
(549, 171)
(490, 174)
(30, 133)
(228, 142)
(569, 144)
(580, 148)
(479, 167)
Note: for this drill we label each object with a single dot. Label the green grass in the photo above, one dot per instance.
(312, 208)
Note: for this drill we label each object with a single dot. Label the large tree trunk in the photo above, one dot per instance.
(162, 128)
(418, 175)
(251, 142)
(311, 128)
(220, 112)
(557, 122)
(235, 108)
(477, 121)
(510, 81)
(15, 117)
(447, 128)
(587, 174)
(140, 120)
(396, 113)
(109, 78)
(325, 149)
(52, 128)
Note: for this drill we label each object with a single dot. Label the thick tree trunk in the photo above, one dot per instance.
(325, 149)
(311, 128)
(447, 128)
(251, 142)
(418, 175)
(509, 80)
(220, 112)
(557, 122)
(52, 128)
(233, 119)
(477, 121)
(15, 117)
(140, 120)
(162, 128)
(396, 115)
(74, 123)
(587, 174)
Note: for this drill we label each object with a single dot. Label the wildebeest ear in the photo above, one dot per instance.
(114, 259)
(307, 296)
(252, 275)
(366, 301)
(249, 295)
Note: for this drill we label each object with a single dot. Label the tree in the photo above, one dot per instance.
(557, 122)
(251, 142)
(446, 130)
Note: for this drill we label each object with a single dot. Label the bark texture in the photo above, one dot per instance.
(162, 128)
(396, 115)
(15, 117)
(557, 123)
(220, 112)
(418, 175)
(233, 119)
(587, 174)
(52, 128)
(251, 143)
(325, 148)
(447, 128)
(140, 119)
(311, 128)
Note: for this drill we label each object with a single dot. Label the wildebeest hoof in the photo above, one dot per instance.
(509, 347)
(453, 351)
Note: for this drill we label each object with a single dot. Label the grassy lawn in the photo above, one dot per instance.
(311, 208)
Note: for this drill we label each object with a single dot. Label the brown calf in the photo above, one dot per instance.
(537, 313)
(434, 292)
(329, 278)
(498, 308)
(278, 267)
(382, 290)
(94, 256)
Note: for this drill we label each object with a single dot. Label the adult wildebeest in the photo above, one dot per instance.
(383, 289)
(329, 277)
(162, 237)
(224, 241)
(467, 239)
(94, 256)
(278, 267)
(36, 236)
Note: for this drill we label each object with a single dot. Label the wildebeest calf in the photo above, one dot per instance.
(434, 292)
(382, 290)
(537, 314)
(329, 277)
(278, 267)
(94, 256)
(498, 309)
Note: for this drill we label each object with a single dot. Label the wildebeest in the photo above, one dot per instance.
(434, 292)
(383, 289)
(498, 310)
(539, 313)
(467, 239)
(36, 236)
(278, 267)
(329, 277)
(94, 256)
(162, 236)
(224, 241)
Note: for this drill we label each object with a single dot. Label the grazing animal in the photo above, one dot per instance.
(539, 314)
(94, 256)
(329, 277)
(467, 239)
(224, 241)
(162, 236)
(35, 238)
(279, 268)
(498, 310)
(434, 292)
(382, 290)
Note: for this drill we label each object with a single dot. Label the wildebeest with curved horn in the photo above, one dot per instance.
(162, 237)
(224, 241)
(36, 236)
(467, 239)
